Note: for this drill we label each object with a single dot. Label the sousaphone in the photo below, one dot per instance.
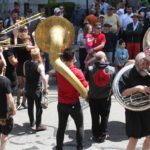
(138, 101)
(53, 35)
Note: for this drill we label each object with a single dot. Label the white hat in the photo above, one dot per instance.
(57, 10)
(141, 56)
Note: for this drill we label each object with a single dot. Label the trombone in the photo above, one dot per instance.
(22, 23)
(6, 43)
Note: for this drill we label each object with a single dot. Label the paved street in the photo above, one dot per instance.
(25, 138)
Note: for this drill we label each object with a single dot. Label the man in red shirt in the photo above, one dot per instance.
(68, 102)
(99, 39)
(98, 44)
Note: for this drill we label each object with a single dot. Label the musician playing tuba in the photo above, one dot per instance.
(137, 80)
(68, 102)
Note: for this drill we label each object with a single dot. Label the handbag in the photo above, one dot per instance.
(44, 102)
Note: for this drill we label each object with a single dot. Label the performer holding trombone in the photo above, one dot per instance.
(137, 80)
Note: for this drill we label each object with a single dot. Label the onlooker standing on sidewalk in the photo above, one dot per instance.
(127, 18)
(134, 34)
(98, 43)
(82, 48)
(113, 18)
(91, 18)
(109, 47)
(121, 55)
(68, 102)
(78, 17)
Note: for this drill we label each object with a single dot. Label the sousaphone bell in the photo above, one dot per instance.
(53, 35)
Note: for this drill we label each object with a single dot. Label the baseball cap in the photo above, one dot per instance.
(107, 24)
(101, 16)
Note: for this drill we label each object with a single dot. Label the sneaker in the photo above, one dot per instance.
(103, 137)
(40, 128)
(100, 139)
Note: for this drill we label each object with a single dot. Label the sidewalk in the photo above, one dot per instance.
(25, 138)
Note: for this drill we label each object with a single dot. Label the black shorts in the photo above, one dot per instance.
(7, 128)
(137, 123)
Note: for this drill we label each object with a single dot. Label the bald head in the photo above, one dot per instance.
(101, 56)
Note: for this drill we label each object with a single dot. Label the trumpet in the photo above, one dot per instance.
(22, 23)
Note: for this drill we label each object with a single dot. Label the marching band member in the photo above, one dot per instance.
(6, 101)
(135, 81)
(22, 54)
(68, 102)
(100, 76)
(35, 75)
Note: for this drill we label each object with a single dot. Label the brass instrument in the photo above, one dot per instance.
(22, 22)
(138, 101)
(6, 43)
(53, 35)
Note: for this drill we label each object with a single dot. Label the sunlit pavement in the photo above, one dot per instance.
(24, 138)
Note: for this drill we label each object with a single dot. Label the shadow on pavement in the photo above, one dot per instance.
(116, 131)
(72, 136)
(21, 130)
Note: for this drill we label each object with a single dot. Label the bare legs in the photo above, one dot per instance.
(133, 141)
(146, 144)
(3, 141)
(21, 82)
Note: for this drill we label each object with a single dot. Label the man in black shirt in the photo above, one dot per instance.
(6, 101)
(100, 76)
(135, 81)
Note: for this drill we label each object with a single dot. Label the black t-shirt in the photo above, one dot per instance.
(22, 54)
(132, 78)
(10, 68)
(33, 80)
(5, 88)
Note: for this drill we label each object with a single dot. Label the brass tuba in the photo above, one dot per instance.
(138, 101)
(53, 35)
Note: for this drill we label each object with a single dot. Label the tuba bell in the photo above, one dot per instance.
(53, 35)
(138, 101)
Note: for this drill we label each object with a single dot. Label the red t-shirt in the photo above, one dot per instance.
(67, 94)
(98, 39)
